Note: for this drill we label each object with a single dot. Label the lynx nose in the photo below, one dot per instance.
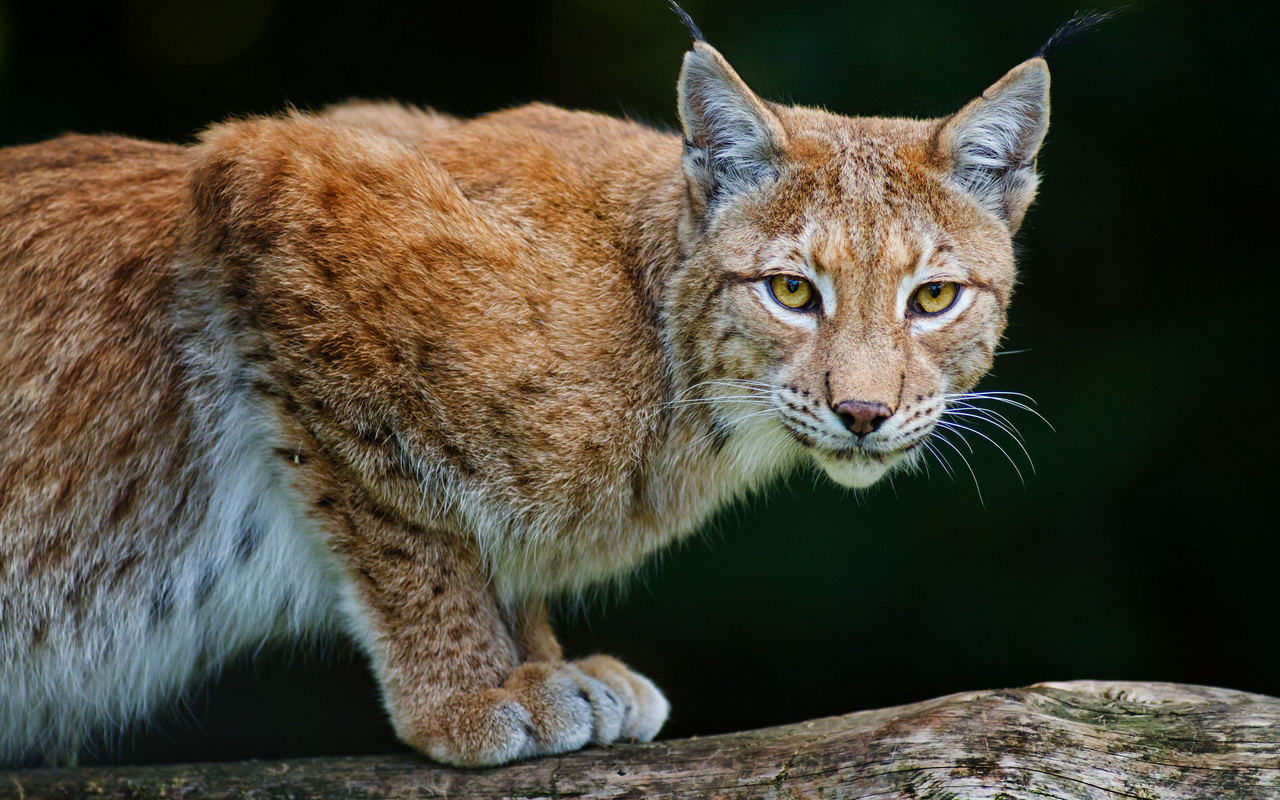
(861, 416)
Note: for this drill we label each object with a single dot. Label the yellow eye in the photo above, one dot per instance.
(933, 298)
(791, 291)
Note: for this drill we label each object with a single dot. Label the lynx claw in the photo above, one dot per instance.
(608, 711)
(645, 707)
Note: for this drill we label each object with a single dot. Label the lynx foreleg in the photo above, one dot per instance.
(450, 665)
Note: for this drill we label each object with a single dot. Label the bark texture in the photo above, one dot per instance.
(1085, 739)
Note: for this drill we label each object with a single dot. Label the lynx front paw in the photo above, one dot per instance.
(645, 709)
(544, 708)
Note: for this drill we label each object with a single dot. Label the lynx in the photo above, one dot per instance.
(393, 375)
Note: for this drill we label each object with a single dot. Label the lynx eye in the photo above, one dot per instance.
(934, 298)
(792, 291)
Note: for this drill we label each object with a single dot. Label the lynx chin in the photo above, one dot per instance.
(393, 375)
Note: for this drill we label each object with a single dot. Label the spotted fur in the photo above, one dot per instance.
(384, 373)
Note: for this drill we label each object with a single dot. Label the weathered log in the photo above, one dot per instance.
(1084, 739)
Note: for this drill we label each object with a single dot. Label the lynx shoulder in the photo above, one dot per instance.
(398, 375)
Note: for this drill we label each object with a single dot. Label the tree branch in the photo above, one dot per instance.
(1083, 739)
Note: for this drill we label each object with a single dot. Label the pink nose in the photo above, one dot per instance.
(862, 416)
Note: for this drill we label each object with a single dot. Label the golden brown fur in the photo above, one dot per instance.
(384, 371)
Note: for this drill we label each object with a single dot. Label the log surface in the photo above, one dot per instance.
(1085, 739)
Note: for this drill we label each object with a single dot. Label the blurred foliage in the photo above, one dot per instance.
(1141, 547)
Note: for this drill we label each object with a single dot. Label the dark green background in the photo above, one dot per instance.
(1142, 547)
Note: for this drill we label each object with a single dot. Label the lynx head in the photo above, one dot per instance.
(847, 274)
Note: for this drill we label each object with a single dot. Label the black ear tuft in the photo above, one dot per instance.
(688, 21)
(1072, 28)
(733, 141)
(992, 142)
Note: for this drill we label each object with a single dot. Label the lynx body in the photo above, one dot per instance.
(399, 376)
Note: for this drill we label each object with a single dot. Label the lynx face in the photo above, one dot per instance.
(850, 274)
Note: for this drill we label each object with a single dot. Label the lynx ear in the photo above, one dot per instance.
(991, 143)
(732, 140)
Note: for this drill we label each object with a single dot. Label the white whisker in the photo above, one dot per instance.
(986, 415)
(942, 462)
(994, 417)
(967, 465)
(1001, 397)
(730, 383)
(1013, 434)
(729, 432)
(727, 398)
(956, 426)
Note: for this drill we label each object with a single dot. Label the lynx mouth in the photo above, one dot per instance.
(857, 468)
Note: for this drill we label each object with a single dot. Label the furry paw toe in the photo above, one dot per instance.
(645, 708)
